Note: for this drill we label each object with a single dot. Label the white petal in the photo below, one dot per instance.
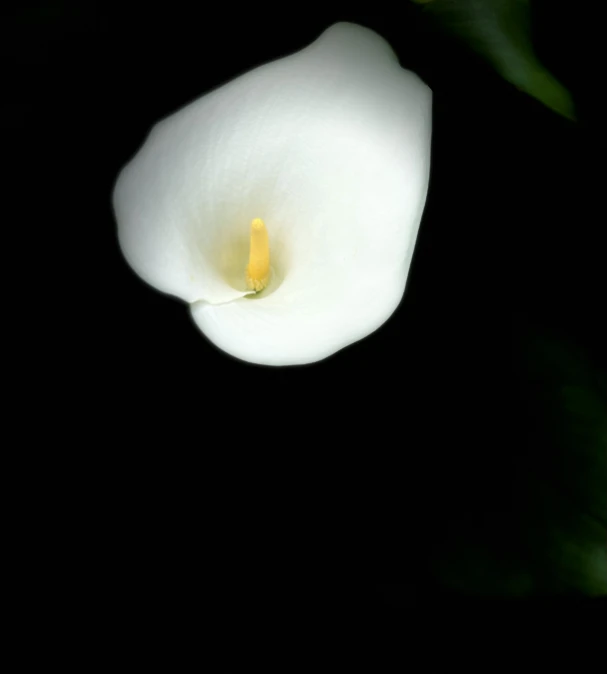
(331, 148)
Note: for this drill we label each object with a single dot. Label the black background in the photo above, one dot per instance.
(424, 433)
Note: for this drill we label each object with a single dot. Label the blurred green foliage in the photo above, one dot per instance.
(501, 32)
(557, 543)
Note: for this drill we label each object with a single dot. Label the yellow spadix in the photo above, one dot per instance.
(258, 269)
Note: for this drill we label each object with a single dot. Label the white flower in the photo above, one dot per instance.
(330, 148)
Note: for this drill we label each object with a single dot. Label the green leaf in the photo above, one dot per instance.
(557, 545)
(570, 405)
(500, 31)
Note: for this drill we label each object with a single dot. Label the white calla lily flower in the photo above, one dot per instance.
(284, 206)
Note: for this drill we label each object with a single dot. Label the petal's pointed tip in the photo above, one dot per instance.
(355, 37)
